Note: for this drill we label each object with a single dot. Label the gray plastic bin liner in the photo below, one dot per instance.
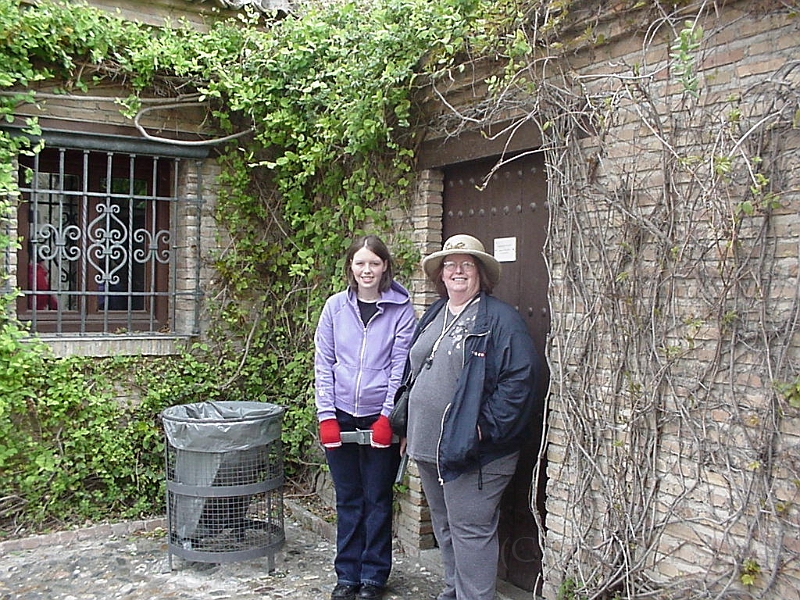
(222, 426)
(211, 438)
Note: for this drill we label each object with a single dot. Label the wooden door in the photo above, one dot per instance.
(510, 217)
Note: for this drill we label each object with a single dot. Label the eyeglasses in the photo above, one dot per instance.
(466, 265)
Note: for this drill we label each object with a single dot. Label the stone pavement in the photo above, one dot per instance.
(130, 561)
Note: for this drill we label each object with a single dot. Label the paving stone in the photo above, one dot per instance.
(133, 562)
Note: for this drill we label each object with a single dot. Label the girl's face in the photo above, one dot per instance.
(368, 269)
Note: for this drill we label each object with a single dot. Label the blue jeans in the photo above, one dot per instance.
(363, 477)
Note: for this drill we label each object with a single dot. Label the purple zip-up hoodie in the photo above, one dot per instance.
(358, 368)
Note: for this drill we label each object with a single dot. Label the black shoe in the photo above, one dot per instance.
(343, 591)
(370, 592)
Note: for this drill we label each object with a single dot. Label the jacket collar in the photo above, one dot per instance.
(396, 294)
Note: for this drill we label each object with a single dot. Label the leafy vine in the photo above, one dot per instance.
(669, 267)
(317, 114)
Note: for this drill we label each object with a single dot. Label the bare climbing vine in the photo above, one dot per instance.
(673, 262)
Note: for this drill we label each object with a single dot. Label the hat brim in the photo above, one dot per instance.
(431, 263)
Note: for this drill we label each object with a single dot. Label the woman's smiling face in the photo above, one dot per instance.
(368, 269)
(460, 276)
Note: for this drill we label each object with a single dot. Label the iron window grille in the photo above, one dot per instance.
(106, 238)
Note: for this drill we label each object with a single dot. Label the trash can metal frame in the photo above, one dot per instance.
(227, 454)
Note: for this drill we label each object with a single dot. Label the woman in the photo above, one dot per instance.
(474, 369)
(362, 343)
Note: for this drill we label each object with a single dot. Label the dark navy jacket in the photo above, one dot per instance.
(496, 389)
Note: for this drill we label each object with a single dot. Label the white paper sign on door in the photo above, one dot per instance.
(505, 249)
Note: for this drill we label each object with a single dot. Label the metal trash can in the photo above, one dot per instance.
(224, 470)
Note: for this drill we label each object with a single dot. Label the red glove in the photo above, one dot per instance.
(381, 433)
(330, 435)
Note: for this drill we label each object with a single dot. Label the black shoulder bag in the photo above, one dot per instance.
(398, 418)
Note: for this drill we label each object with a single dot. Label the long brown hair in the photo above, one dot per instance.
(375, 245)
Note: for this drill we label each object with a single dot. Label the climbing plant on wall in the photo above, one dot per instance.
(318, 110)
(325, 103)
(674, 293)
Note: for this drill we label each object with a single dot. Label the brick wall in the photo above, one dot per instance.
(198, 183)
(664, 475)
(673, 464)
(422, 222)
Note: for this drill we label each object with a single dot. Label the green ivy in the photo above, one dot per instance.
(70, 449)
(328, 99)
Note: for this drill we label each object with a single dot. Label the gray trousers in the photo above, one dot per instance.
(465, 519)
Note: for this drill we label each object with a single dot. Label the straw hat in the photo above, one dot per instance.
(463, 244)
